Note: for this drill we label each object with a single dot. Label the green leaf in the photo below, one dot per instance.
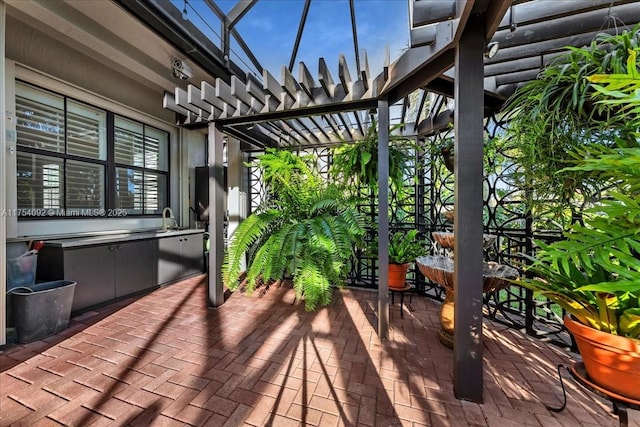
(629, 323)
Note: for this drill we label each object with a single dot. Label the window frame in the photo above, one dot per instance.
(109, 166)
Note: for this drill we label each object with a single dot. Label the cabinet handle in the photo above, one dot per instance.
(118, 247)
(111, 248)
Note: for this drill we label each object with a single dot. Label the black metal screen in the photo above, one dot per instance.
(427, 195)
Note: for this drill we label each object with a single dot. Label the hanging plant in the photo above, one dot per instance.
(356, 164)
(554, 116)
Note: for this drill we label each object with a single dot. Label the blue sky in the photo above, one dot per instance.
(270, 29)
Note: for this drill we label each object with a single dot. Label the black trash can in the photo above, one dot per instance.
(42, 310)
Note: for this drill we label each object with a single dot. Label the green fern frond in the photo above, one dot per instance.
(248, 232)
(276, 259)
(341, 235)
(307, 229)
(313, 284)
(321, 236)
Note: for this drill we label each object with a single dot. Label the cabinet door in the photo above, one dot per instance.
(134, 267)
(169, 259)
(92, 268)
(192, 251)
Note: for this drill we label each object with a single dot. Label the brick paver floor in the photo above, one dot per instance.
(165, 359)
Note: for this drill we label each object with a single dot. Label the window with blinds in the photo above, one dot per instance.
(39, 119)
(141, 167)
(65, 150)
(86, 131)
(40, 182)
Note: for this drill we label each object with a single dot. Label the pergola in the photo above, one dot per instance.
(452, 54)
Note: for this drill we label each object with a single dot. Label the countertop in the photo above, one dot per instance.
(118, 237)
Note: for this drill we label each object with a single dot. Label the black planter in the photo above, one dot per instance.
(42, 310)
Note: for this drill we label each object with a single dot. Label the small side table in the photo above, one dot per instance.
(620, 403)
(401, 291)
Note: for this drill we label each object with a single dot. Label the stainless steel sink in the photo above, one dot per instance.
(171, 229)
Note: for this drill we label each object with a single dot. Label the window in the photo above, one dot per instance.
(141, 167)
(79, 160)
(40, 182)
(86, 131)
(51, 180)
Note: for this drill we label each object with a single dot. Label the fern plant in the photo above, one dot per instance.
(306, 230)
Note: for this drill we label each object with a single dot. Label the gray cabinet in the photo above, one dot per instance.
(102, 272)
(192, 251)
(179, 257)
(134, 267)
(92, 268)
(169, 259)
(109, 267)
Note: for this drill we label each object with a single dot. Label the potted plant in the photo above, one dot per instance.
(356, 164)
(404, 248)
(444, 149)
(305, 230)
(594, 273)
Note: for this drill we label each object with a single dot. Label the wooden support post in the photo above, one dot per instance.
(383, 218)
(216, 216)
(468, 173)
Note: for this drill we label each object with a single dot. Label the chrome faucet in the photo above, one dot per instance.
(170, 217)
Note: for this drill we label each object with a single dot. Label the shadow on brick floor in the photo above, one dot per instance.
(166, 358)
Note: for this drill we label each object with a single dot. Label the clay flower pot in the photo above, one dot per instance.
(611, 361)
(397, 275)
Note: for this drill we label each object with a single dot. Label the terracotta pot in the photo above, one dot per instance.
(397, 275)
(611, 361)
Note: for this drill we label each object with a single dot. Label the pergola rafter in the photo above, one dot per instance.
(256, 102)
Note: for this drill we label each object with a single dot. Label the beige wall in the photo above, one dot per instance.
(32, 48)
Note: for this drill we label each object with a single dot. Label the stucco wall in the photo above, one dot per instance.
(32, 48)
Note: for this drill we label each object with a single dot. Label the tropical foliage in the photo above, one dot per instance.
(405, 247)
(356, 164)
(305, 230)
(595, 272)
(553, 116)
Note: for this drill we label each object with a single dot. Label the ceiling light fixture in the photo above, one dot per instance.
(491, 49)
(184, 11)
(513, 25)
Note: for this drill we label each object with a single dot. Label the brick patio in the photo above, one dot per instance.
(165, 359)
